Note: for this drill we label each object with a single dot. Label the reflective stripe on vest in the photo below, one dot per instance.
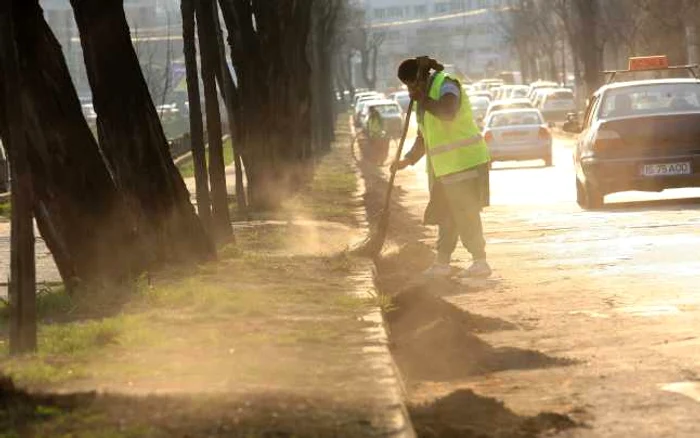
(455, 145)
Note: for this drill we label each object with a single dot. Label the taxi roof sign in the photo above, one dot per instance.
(640, 63)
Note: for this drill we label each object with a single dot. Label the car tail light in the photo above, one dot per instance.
(606, 139)
(488, 136)
(544, 133)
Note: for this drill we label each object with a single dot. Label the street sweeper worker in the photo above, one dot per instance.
(457, 164)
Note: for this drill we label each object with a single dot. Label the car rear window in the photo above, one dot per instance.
(561, 95)
(651, 99)
(387, 110)
(515, 119)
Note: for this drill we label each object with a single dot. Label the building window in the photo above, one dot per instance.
(442, 8)
(379, 13)
(394, 12)
(420, 10)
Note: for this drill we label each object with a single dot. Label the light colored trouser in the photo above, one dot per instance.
(464, 221)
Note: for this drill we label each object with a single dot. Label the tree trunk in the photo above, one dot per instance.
(132, 138)
(210, 66)
(230, 96)
(588, 15)
(80, 214)
(196, 126)
(22, 287)
(275, 118)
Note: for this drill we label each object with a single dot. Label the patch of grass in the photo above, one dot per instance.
(5, 209)
(186, 167)
(264, 315)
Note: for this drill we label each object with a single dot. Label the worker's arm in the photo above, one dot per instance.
(446, 107)
(412, 156)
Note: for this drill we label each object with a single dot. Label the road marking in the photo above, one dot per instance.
(688, 389)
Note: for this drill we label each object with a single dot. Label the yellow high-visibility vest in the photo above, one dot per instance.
(456, 145)
(374, 124)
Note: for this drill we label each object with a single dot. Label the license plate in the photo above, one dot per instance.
(667, 169)
(514, 133)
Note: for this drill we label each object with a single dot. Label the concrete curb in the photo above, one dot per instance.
(388, 375)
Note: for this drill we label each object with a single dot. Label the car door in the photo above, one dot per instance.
(583, 142)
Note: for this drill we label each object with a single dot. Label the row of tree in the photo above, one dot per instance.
(598, 34)
(112, 207)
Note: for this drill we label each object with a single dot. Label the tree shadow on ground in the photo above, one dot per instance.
(436, 341)
(465, 414)
(264, 414)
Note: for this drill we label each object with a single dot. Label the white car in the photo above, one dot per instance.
(390, 113)
(518, 92)
(504, 104)
(518, 134)
(361, 101)
(479, 106)
(556, 104)
(502, 92)
(402, 98)
(539, 85)
(362, 94)
(482, 93)
(539, 96)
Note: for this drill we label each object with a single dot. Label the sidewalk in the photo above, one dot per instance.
(282, 336)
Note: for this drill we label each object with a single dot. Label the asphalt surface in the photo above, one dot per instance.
(614, 290)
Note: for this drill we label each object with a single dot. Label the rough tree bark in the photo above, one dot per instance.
(588, 13)
(196, 126)
(268, 44)
(22, 288)
(230, 96)
(80, 214)
(210, 66)
(132, 138)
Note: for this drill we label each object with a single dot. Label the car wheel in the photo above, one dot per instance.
(581, 195)
(548, 160)
(588, 197)
(595, 197)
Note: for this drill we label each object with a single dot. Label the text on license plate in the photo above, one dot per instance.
(667, 169)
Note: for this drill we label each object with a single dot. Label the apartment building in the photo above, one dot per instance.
(466, 34)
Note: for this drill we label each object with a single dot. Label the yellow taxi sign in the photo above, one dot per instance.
(648, 63)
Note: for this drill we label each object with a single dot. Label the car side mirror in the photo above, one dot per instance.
(551, 124)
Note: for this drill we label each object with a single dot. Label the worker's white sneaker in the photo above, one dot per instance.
(478, 269)
(438, 270)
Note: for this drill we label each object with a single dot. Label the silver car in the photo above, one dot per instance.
(518, 134)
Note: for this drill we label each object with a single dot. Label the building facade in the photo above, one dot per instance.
(465, 34)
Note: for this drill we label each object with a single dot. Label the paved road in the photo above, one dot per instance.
(615, 290)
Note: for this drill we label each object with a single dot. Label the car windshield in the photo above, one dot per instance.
(519, 92)
(515, 119)
(387, 110)
(651, 99)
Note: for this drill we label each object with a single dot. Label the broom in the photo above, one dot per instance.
(372, 245)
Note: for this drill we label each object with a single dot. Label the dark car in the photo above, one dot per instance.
(638, 135)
